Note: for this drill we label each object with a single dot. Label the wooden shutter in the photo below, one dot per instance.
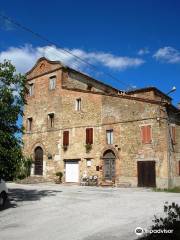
(146, 134)
(173, 134)
(65, 138)
(89, 135)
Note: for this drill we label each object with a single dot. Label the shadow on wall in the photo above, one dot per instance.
(18, 195)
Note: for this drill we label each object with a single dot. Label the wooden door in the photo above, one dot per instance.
(109, 166)
(38, 161)
(146, 173)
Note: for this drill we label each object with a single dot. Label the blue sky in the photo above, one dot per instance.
(138, 42)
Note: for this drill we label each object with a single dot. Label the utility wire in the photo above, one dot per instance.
(17, 24)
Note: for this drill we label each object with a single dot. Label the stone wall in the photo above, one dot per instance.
(101, 112)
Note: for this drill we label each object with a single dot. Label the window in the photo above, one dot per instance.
(146, 134)
(31, 89)
(89, 135)
(29, 124)
(78, 104)
(88, 162)
(52, 82)
(109, 136)
(65, 138)
(173, 134)
(51, 120)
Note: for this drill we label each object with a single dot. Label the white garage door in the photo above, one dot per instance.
(72, 171)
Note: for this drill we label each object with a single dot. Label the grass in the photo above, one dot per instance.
(173, 190)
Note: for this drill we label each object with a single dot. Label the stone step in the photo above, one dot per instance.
(107, 184)
(123, 185)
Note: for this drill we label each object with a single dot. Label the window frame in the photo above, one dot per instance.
(52, 86)
(110, 138)
(29, 124)
(51, 117)
(146, 134)
(31, 89)
(89, 135)
(66, 138)
(78, 104)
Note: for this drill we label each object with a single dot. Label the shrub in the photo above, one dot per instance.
(24, 168)
(88, 147)
(171, 221)
(59, 175)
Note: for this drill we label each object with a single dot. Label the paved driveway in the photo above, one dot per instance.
(55, 212)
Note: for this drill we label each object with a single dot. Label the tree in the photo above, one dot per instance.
(12, 99)
(167, 227)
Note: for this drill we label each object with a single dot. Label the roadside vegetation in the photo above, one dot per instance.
(12, 99)
(173, 190)
(167, 227)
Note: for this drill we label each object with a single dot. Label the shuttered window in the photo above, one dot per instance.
(89, 135)
(146, 134)
(65, 138)
(173, 134)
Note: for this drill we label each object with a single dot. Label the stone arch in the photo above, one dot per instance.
(38, 163)
(38, 144)
(109, 148)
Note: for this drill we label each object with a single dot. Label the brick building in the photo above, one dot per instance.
(80, 126)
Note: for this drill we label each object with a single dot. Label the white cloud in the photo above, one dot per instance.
(143, 51)
(25, 57)
(167, 54)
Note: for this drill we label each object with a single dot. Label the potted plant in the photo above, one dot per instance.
(59, 176)
(88, 147)
(65, 147)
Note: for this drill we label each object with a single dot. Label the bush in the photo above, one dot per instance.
(170, 222)
(24, 168)
(59, 175)
(88, 147)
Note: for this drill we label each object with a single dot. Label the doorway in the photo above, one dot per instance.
(38, 170)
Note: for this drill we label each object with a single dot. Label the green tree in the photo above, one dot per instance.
(12, 99)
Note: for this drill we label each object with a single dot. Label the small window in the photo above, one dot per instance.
(78, 104)
(29, 124)
(146, 134)
(173, 134)
(88, 162)
(52, 82)
(89, 135)
(65, 138)
(51, 120)
(31, 89)
(109, 136)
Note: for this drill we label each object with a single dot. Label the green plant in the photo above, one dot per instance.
(59, 175)
(23, 168)
(88, 147)
(12, 99)
(168, 227)
(65, 147)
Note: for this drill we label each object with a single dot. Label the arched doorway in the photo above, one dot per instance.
(38, 168)
(109, 165)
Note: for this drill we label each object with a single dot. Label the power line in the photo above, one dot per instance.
(65, 51)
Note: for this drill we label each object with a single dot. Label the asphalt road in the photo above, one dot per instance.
(55, 212)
